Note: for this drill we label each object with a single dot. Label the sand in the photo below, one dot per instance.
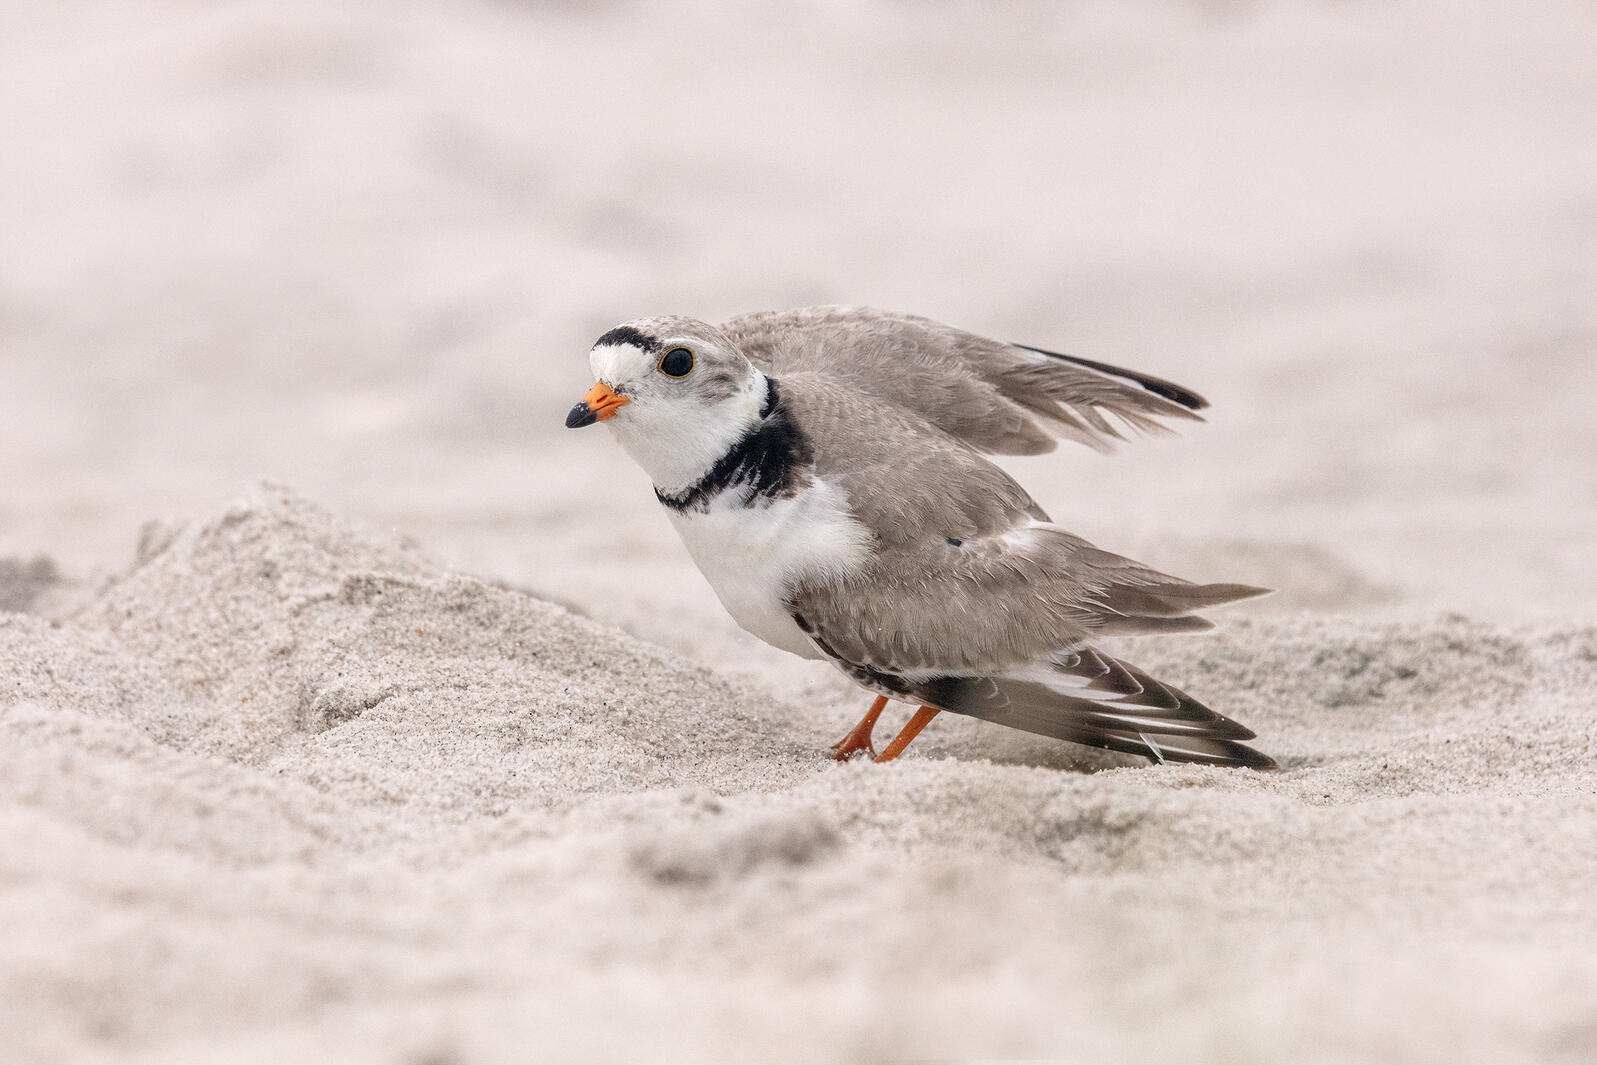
(287, 789)
(352, 709)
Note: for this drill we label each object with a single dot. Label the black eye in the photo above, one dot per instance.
(678, 362)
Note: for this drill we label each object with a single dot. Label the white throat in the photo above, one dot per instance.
(677, 447)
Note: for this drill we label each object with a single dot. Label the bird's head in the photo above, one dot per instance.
(676, 392)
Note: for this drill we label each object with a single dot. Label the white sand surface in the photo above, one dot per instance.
(447, 755)
(286, 790)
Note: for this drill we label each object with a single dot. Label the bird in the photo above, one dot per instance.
(827, 470)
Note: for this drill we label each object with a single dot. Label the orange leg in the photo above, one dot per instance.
(911, 729)
(859, 738)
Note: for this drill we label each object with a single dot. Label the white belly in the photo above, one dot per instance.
(752, 555)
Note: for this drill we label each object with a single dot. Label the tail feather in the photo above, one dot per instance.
(1174, 600)
(1148, 625)
(1133, 608)
(1090, 698)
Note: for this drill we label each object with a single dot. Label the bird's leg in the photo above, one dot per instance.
(859, 737)
(911, 729)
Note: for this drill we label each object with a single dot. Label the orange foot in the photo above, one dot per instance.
(911, 729)
(859, 737)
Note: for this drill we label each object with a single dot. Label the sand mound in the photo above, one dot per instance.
(287, 790)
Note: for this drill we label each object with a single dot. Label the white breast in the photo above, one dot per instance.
(752, 555)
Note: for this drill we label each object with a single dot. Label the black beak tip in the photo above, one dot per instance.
(579, 416)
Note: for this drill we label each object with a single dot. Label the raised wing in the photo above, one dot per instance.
(999, 398)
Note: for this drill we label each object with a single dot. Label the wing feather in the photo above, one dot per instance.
(999, 603)
(970, 599)
(999, 398)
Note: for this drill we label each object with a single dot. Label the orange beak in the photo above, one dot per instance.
(600, 403)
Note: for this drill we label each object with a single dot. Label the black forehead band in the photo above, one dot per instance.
(625, 334)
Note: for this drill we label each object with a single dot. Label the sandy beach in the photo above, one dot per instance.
(352, 709)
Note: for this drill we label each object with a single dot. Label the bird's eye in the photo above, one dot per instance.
(678, 362)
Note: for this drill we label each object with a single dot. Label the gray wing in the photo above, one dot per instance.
(996, 603)
(966, 576)
(999, 398)
(1000, 628)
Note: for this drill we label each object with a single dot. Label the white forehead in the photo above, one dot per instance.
(614, 363)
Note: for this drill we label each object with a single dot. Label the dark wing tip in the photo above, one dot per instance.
(1164, 725)
(1214, 748)
(1157, 385)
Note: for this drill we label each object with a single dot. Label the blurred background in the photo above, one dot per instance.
(363, 249)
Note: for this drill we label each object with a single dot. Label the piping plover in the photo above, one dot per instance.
(825, 469)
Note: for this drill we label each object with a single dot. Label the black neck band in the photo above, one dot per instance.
(771, 459)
